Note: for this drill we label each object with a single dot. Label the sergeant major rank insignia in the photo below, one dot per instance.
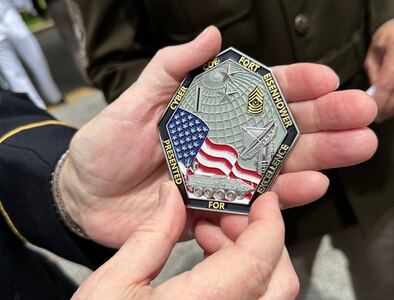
(226, 133)
(256, 101)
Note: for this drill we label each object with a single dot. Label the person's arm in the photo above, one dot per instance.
(115, 42)
(31, 142)
(379, 62)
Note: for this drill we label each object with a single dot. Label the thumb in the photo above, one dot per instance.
(178, 61)
(181, 59)
(143, 255)
(162, 76)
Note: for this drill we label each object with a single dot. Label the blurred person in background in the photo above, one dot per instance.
(355, 38)
(40, 6)
(19, 48)
(3, 83)
(25, 7)
(57, 10)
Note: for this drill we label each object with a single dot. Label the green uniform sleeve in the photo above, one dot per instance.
(115, 42)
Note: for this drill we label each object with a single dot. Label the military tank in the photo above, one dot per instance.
(218, 186)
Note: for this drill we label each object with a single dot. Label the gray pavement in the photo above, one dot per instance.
(329, 278)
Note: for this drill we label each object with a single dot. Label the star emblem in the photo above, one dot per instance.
(226, 93)
(228, 75)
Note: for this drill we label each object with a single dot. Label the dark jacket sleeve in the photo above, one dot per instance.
(116, 44)
(31, 142)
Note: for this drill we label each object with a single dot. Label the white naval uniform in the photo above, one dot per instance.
(16, 41)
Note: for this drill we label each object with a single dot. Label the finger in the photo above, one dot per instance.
(372, 64)
(386, 71)
(178, 61)
(161, 77)
(293, 189)
(143, 255)
(210, 237)
(244, 269)
(382, 98)
(385, 81)
(326, 150)
(193, 216)
(300, 188)
(284, 282)
(387, 111)
(185, 58)
(335, 111)
(265, 219)
(233, 225)
(305, 81)
(159, 233)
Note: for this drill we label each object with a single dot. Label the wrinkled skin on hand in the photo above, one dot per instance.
(110, 183)
(253, 265)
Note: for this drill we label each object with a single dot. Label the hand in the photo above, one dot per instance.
(379, 64)
(111, 180)
(255, 265)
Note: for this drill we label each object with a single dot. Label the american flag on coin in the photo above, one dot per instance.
(200, 160)
(226, 133)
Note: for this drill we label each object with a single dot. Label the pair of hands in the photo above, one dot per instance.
(111, 180)
(110, 183)
(255, 265)
(379, 64)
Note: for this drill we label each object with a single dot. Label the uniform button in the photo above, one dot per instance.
(301, 24)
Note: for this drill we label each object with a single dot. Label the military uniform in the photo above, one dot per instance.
(31, 142)
(119, 37)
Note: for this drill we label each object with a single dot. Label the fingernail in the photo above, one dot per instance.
(371, 91)
(202, 33)
(338, 84)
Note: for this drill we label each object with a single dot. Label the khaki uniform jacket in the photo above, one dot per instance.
(119, 37)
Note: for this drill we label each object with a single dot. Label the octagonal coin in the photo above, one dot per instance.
(226, 133)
